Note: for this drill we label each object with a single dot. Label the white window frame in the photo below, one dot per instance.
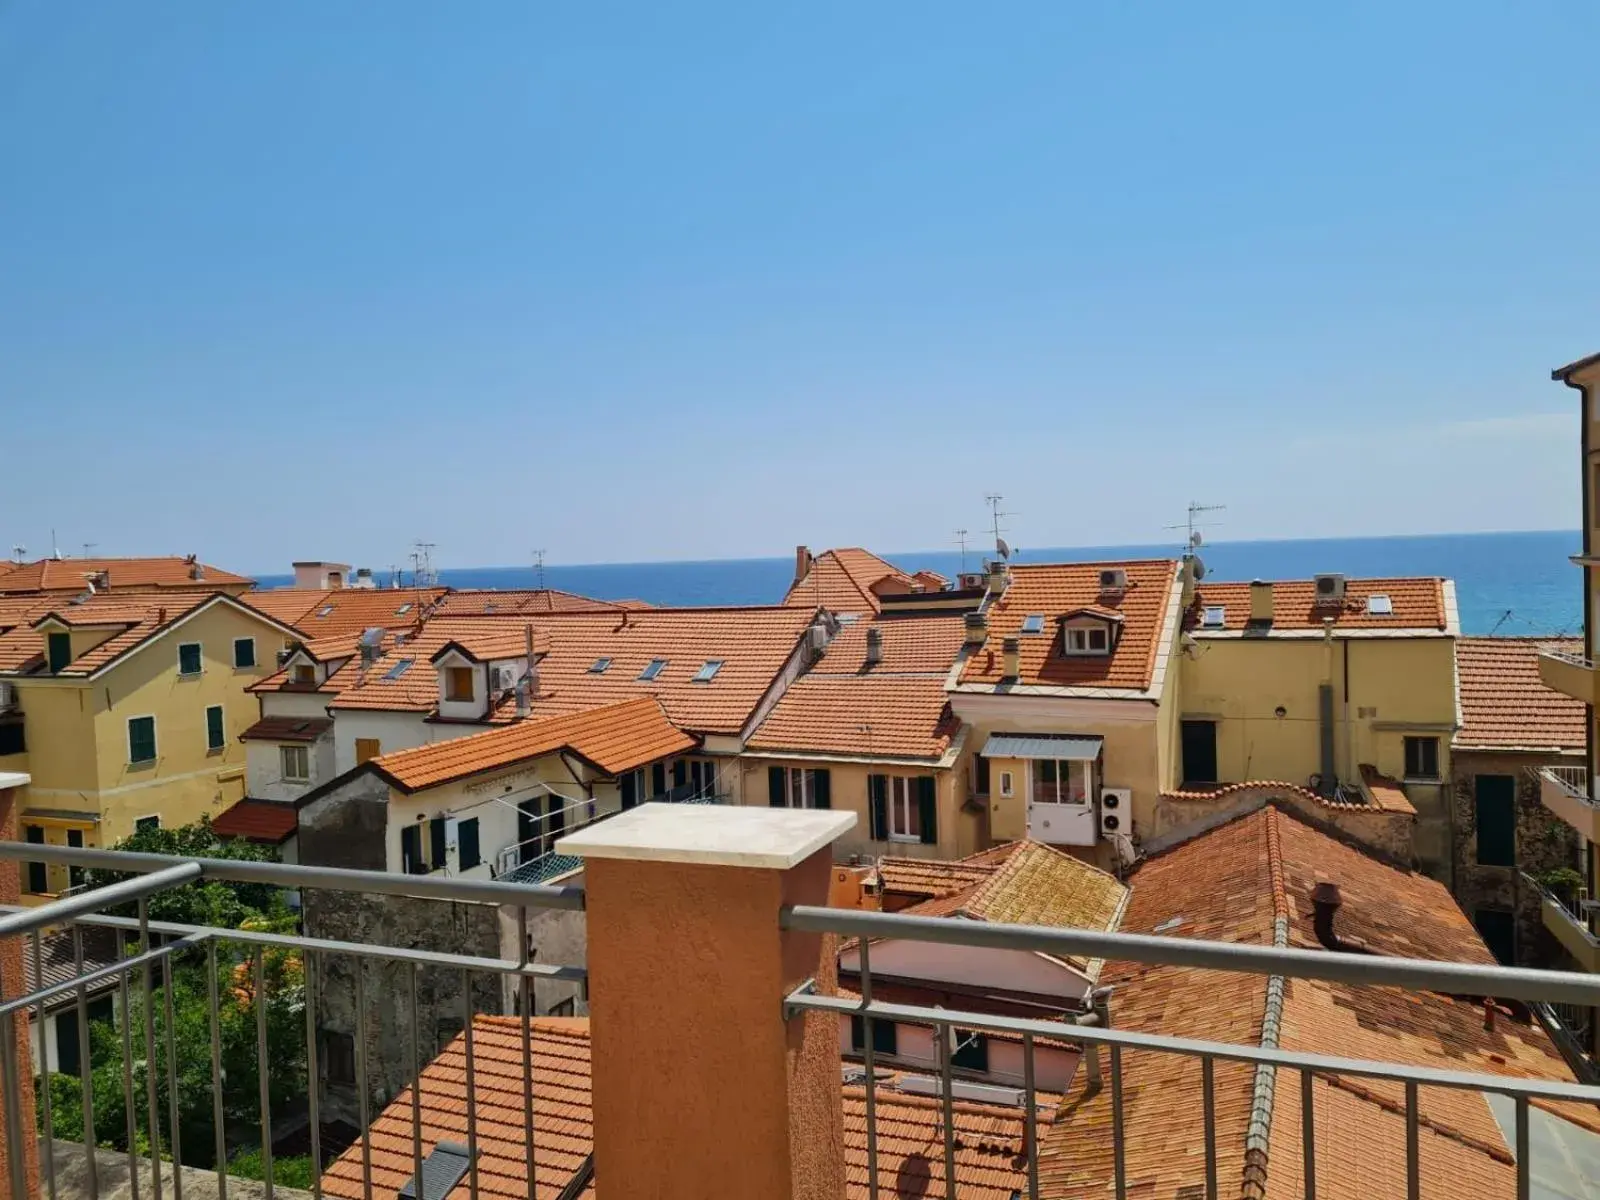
(652, 670)
(1075, 640)
(201, 670)
(283, 763)
(210, 749)
(1380, 604)
(255, 659)
(1221, 616)
(800, 788)
(155, 736)
(903, 810)
(156, 817)
(1007, 786)
(1063, 770)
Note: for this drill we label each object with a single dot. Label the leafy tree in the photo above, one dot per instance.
(290, 1172)
(213, 902)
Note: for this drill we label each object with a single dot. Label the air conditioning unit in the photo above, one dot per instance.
(968, 580)
(1116, 811)
(8, 696)
(1113, 579)
(505, 678)
(1329, 588)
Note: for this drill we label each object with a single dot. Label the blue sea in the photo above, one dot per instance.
(1506, 583)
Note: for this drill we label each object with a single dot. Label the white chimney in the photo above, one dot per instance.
(874, 645)
(1011, 649)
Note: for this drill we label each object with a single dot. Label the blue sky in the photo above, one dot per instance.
(640, 282)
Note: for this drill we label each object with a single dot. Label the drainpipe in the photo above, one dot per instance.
(1349, 740)
(1325, 711)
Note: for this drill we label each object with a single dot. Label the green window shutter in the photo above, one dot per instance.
(141, 739)
(775, 781)
(60, 648)
(189, 658)
(928, 804)
(411, 850)
(436, 843)
(878, 807)
(467, 843)
(244, 652)
(822, 788)
(630, 791)
(215, 735)
(658, 779)
(1496, 802)
(680, 773)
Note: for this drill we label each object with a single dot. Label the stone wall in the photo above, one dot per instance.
(1388, 833)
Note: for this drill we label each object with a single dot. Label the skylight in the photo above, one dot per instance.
(325, 611)
(657, 665)
(708, 672)
(1379, 605)
(598, 667)
(402, 610)
(1033, 623)
(399, 669)
(1215, 616)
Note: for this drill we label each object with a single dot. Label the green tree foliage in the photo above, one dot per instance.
(210, 902)
(293, 1172)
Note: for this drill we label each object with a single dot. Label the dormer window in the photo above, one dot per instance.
(1092, 640)
(1088, 632)
(458, 684)
(1214, 617)
(655, 667)
(305, 673)
(59, 646)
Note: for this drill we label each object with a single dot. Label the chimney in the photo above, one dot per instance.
(874, 645)
(1260, 601)
(161, 616)
(197, 569)
(524, 707)
(802, 562)
(977, 629)
(999, 576)
(528, 686)
(1012, 651)
(1325, 902)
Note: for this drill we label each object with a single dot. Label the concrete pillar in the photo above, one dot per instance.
(700, 1086)
(11, 785)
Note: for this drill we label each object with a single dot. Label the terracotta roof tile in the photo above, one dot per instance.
(921, 644)
(932, 878)
(70, 574)
(268, 821)
(1055, 589)
(1503, 703)
(287, 729)
(1387, 794)
(616, 738)
(866, 716)
(137, 620)
(496, 643)
(494, 602)
(341, 611)
(1418, 603)
(841, 581)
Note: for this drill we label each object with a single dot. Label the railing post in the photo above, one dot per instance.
(16, 1098)
(700, 1085)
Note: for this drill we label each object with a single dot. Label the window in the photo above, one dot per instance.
(971, 1051)
(147, 824)
(438, 843)
(1214, 617)
(655, 667)
(903, 809)
(799, 787)
(883, 1036)
(13, 738)
(708, 671)
(188, 658)
(141, 739)
(599, 666)
(60, 649)
(244, 653)
(1006, 788)
(1379, 605)
(564, 1008)
(75, 841)
(1086, 640)
(411, 860)
(296, 764)
(458, 683)
(980, 775)
(1033, 623)
(1064, 781)
(338, 1057)
(325, 611)
(904, 816)
(215, 734)
(1495, 808)
(305, 673)
(402, 610)
(1422, 758)
(468, 855)
(1198, 746)
(367, 749)
(399, 669)
(38, 876)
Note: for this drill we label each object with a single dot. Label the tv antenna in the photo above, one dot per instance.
(993, 501)
(961, 540)
(422, 572)
(538, 569)
(19, 552)
(1192, 526)
(88, 546)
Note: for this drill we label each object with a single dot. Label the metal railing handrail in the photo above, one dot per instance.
(1571, 780)
(1464, 979)
(1577, 918)
(295, 876)
(27, 920)
(1576, 659)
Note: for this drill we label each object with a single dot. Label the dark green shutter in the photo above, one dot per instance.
(680, 773)
(60, 646)
(1496, 797)
(822, 788)
(38, 877)
(75, 840)
(928, 803)
(878, 807)
(658, 779)
(436, 843)
(467, 844)
(630, 790)
(411, 850)
(214, 732)
(775, 786)
(141, 739)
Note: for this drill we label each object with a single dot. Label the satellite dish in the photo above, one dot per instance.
(1199, 569)
(1195, 539)
(1000, 545)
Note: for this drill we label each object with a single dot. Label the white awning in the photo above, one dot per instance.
(1074, 747)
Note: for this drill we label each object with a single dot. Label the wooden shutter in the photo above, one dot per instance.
(821, 788)
(60, 649)
(436, 842)
(658, 779)
(215, 737)
(775, 781)
(680, 773)
(411, 850)
(928, 804)
(878, 807)
(467, 844)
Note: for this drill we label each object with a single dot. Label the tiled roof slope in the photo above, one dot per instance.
(1229, 884)
(616, 738)
(271, 822)
(1054, 589)
(990, 1153)
(1419, 603)
(493, 602)
(499, 642)
(342, 611)
(1504, 706)
(841, 581)
(932, 878)
(287, 729)
(137, 620)
(69, 574)
(896, 708)
(57, 955)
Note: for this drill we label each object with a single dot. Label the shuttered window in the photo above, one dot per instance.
(467, 850)
(1495, 802)
(215, 734)
(141, 739)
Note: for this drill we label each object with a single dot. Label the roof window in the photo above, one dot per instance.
(599, 666)
(1379, 605)
(402, 610)
(1033, 623)
(445, 1167)
(655, 667)
(1214, 617)
(708, 671)
(325, 611)
(399, 669)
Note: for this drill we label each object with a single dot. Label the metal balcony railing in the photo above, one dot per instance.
(1566, 656)
(159, 946)
(1574, 781)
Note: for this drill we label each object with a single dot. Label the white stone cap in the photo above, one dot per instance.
(14, 779)
(713, 834)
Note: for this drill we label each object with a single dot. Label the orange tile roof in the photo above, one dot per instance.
(932, 878)
(340, 611)
(911, 643)
(616, 738)
(496, 643)
(494, 602)
(1505, 706)
(270, 822)
(1419, 603)
(22, 647)
(1053, 590)
(841, 581)
(1387, 793)
(69, 574)
(990, 1153)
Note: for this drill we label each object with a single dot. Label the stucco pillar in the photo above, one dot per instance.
(11, 985)
(700, 1086)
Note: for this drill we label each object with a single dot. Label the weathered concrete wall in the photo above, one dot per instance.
(1388, 833)
(347, 827)
(559, 938)
(114, 1182)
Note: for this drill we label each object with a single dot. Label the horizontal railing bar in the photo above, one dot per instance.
(1550, 1089)
(289, 941)
(109, 971)
(299, 875)
(169, 873)
(1461, 979)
